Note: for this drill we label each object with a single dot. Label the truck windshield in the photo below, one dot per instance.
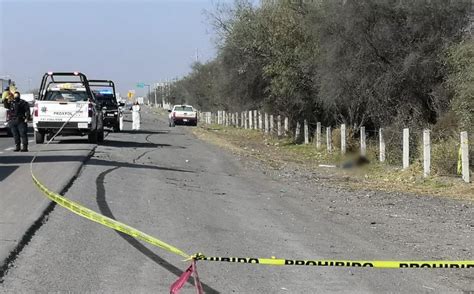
(106, 100)
(183, 108)
(66, 95)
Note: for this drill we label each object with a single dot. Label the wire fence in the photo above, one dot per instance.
(440, 153)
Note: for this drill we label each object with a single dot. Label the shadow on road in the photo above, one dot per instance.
(6, 171)
(105, 210)
(147, 132)
(14, 159)
(131, 144)
(77, 158)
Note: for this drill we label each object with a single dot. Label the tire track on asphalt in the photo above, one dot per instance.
(105, 210)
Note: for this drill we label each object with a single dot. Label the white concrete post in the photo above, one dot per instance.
(250, 119)
(255, 120)
(242, 119)
(286, 126)
(426, 153)
(260, 121)
(271, 124)
(306, 132)
(279, 126)
(121, 121)
(246, 119)
(267, 127)
(363, 145)
(406, 148)
(343, 139)
(381, 146)
(318, 135)
(465, 157)
(298, 131)
(218, 117)
(329, 139)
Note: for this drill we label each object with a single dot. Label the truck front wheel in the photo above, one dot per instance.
(92, 137)
(39, 137)
(100, 136)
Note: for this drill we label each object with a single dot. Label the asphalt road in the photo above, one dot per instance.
(22, 206)
(167, 183)
(7, 143)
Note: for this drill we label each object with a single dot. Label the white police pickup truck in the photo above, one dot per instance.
(4, 120)
(67, 106)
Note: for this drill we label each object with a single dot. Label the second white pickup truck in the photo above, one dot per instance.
(183, 114)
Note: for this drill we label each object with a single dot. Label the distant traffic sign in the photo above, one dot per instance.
(140, 85)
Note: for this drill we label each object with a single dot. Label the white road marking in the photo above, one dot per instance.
(30, 141)
(10, 149)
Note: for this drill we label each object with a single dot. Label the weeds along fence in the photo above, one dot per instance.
(440, 154)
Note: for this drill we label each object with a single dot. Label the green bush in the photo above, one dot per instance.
(461, 81)
(444, 156)
(352, 144)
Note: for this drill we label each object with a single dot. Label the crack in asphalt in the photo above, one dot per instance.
(30, 233)
(105, 210)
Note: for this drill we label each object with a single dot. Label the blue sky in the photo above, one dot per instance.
(126, 41)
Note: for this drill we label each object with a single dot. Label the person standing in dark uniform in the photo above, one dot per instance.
(18, 123)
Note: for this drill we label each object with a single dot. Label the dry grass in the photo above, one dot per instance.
(279, 152)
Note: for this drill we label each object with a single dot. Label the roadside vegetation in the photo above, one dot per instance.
(283, 156)
(379, 64)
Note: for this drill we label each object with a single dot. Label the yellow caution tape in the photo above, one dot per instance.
(106, 221)
(118, 226)
(341, 263)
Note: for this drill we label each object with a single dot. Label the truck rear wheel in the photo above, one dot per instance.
(92, 137)
(100, 136)
(39, 137)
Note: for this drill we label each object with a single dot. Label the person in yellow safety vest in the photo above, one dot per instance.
(7, 95)
(136, 116)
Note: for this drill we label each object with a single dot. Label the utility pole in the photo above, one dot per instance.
(156, 86)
